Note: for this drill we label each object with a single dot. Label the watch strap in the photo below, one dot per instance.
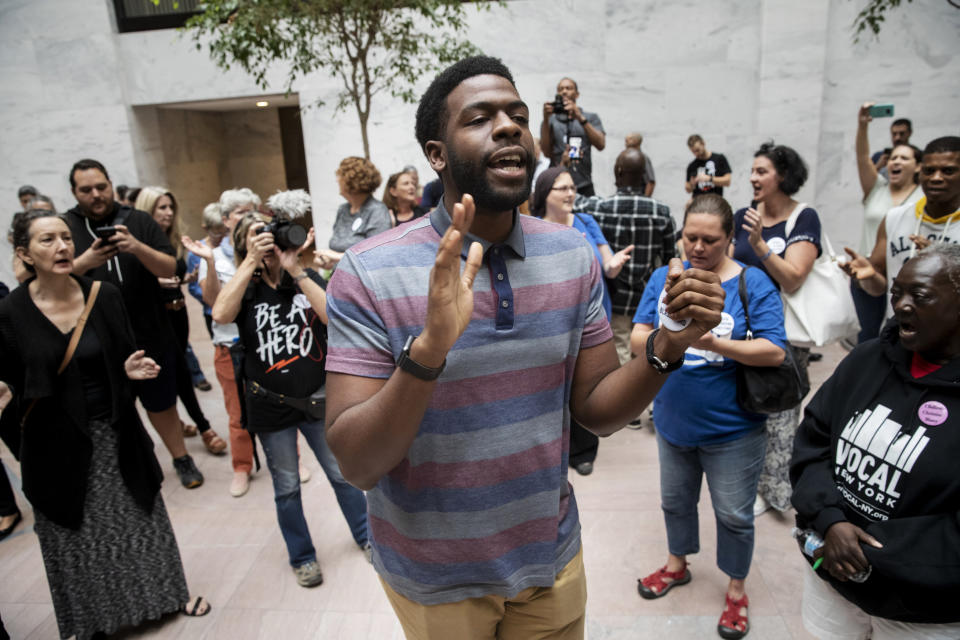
(659, 365)
(411, 366)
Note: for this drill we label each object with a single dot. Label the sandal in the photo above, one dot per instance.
(660, 581)
(213, 442)
(195, 607)
(734, 624)
(189, 430)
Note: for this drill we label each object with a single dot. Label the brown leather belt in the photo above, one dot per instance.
(176, 305)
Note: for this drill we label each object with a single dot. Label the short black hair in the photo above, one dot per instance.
(432, 111)
(945, 144)
(901, 121)
(26, 190)
(789, 165)
(83, 165)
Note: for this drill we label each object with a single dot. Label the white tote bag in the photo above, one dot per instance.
(821, 311)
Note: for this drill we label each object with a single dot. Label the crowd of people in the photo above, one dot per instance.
(448, 359)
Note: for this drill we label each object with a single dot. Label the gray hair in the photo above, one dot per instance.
(233, 198)
(211, 216)
(289, 204)
(41, 198)
(950, 254)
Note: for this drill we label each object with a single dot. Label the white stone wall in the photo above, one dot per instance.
(737, 72)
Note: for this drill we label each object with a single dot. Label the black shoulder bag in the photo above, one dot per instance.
(768, 389)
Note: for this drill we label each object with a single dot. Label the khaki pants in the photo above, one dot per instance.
(622, 326)
(554, 613)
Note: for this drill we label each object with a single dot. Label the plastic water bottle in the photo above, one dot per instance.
(810, 541)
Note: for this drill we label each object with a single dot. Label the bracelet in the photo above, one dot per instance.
(300, 277)
(766, 255)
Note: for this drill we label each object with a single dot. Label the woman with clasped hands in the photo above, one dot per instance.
(712, 436)
(88, 464)
(874, 470)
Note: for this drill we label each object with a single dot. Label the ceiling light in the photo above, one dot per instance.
(263, 103)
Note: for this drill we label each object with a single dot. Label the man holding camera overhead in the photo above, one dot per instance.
(569, 131)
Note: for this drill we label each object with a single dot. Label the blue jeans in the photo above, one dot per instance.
(732, 470)
(280, 448)
(870, 312)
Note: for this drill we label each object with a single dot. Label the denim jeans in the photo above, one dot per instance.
(280, 448)
(870, 312)
(732, 470)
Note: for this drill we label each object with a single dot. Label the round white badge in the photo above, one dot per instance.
(725, 328)
(357, 224)
(666, 321)
(777, 245)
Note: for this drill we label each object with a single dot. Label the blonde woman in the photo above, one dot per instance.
(162, 207)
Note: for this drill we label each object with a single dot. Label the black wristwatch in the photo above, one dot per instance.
(413, 367)
(660, 366)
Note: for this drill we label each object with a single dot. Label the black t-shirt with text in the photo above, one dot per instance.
(715, 165)
(284, 345)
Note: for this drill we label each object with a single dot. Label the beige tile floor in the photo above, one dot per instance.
(234, 555)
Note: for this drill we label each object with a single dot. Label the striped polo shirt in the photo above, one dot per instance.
(481, 504)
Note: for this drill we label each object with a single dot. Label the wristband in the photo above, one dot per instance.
(300, 277)
(411, 366)
(766, 255)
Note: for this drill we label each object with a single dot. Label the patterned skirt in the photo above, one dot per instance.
(123, 565)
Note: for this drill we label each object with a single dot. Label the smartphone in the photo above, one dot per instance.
(881, 111)
(105, 233)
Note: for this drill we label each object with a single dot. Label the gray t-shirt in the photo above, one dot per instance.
(348, 229)
(582, 169)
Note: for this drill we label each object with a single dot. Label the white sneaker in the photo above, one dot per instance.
(240, 483)
(760, 505)
(304, 474)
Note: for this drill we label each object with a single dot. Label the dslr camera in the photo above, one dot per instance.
(286, 233)
(558, 104)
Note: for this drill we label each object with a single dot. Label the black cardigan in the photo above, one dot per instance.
(54, 446)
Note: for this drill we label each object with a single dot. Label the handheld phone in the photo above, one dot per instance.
(881, 111)
(105, 233)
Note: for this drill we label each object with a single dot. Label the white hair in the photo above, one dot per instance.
(233, 198)
(211, 216)
(289, 204)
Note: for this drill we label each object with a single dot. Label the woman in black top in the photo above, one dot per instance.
(400, 197)
(280, 310)
(162, 206)
(87, 463)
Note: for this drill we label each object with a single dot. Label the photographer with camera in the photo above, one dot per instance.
(567, 131)
(280, 310)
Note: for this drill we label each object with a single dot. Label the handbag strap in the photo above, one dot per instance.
(824, 239)
(71, 346)
(78, 330)
(742, 289)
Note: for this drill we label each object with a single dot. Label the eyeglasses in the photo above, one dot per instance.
(569, 188)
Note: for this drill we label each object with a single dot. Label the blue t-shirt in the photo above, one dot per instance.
(807, 229)
(707, 376)
(588, 226)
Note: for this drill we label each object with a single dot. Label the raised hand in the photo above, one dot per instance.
(842, 554)
(858, 266)
(140, 367)
(198, 249)
(450, 299)
(97, 254)
(863, 116)
(920, 241)
(613, 266)
(754, 226)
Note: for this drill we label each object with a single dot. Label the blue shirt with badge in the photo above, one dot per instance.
(708, 377)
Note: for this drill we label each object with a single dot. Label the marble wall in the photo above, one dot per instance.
(738, 73)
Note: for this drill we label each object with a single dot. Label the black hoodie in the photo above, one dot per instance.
(881, 450)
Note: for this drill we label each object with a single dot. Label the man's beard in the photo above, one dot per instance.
(470, 177)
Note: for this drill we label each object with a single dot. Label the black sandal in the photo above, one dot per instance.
(195, 607)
